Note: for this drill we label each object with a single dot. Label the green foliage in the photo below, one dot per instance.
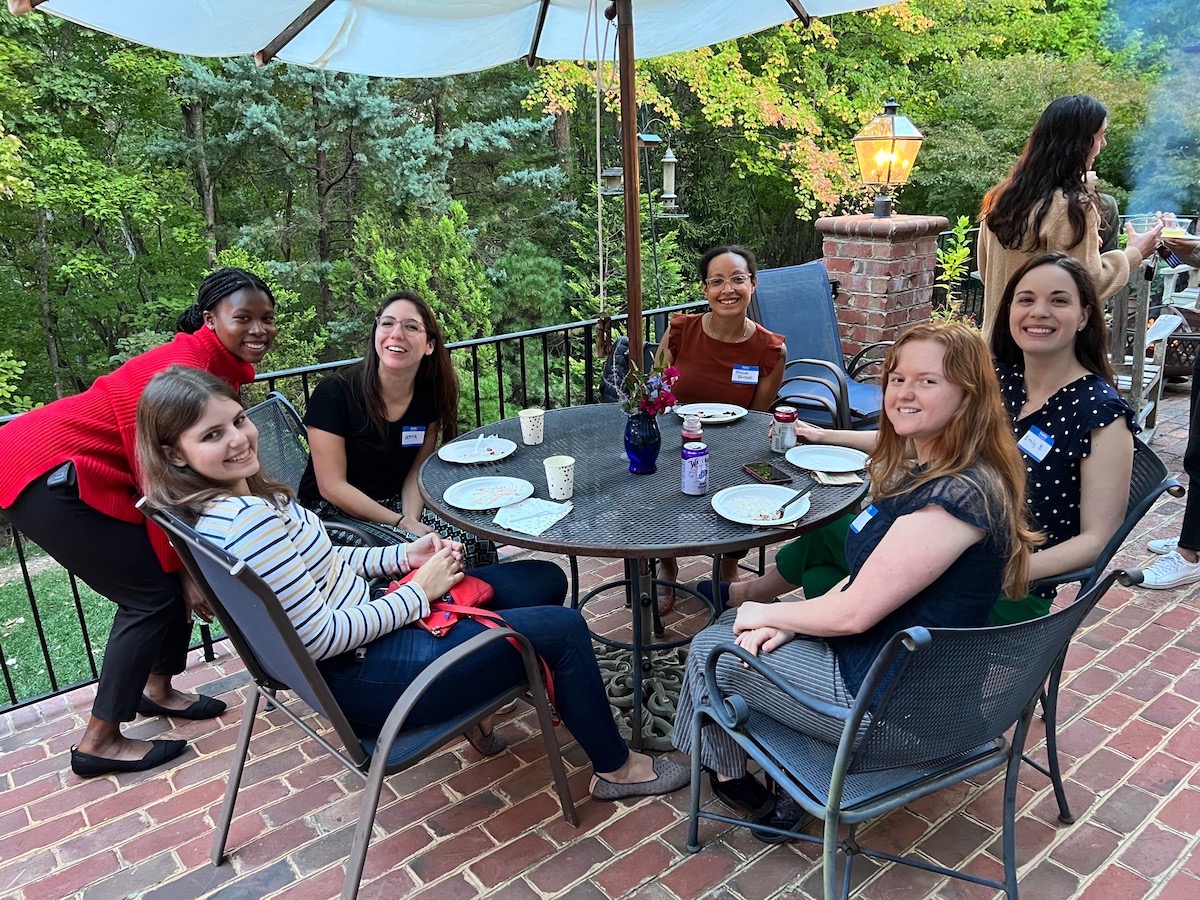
(953, 265)
(10, 370)
(977, 130)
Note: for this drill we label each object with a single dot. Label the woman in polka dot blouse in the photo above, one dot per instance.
(1071, 425)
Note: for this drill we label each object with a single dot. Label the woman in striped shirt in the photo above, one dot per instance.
(197, 452)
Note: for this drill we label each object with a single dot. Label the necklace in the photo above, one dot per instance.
(747, 330)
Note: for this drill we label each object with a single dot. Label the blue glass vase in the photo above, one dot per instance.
(643, 440)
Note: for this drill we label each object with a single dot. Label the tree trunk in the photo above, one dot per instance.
(49, 320)
(560, 139)
(193, 126)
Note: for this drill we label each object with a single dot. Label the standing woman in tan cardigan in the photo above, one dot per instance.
(1048, 202)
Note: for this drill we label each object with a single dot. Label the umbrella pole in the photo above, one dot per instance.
(632, 179)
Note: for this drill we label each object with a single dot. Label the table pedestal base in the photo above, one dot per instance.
(660, 690)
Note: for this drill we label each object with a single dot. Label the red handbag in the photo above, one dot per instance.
(468, 596)
(470, 592)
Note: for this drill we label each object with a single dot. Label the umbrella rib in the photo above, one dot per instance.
(543, 9)
(801, 12)
(281, 40)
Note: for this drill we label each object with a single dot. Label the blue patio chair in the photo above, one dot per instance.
(1149, 481)
(277, 661)
(797, 302)
(941, 717)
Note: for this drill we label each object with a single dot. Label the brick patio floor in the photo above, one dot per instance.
(461, 826)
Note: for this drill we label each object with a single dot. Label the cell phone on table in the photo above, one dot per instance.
(767, 473)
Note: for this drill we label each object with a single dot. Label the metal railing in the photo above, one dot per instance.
(558, 365)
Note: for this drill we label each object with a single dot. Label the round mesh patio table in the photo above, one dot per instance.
(635, 518)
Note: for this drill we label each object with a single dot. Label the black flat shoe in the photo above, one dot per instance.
(746, 794)
(787, 816)
(201, 708)
(87, 766)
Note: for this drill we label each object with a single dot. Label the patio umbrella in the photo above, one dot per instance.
(434, 38)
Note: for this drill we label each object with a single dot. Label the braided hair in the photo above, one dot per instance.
(215, 288)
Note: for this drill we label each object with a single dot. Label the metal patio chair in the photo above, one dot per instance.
(283, 455)
(943, 717)
(277, 661)
(797, 302)
(1149, 481)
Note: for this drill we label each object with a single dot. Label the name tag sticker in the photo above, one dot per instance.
(412, 436)
(1036, 444)
(863, 518)
(745, 374)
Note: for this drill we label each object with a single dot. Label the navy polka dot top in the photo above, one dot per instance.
(1069, 417)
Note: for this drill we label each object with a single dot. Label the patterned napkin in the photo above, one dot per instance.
(531, 516)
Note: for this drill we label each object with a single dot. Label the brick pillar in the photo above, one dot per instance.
(886, 269)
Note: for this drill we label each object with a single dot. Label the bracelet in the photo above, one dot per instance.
(399, 519)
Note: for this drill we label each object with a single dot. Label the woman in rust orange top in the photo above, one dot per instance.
(722, 356)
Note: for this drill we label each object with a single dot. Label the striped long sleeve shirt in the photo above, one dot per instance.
(323, 588)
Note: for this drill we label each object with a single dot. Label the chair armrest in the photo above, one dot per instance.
(346, 535)
(435, 670)
(861, 360)
(838, 414)
(731, 713)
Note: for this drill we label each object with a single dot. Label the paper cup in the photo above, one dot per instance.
(560, 476)
(532, 424)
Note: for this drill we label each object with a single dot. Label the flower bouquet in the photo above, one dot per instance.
(649, 392)
(646, 395)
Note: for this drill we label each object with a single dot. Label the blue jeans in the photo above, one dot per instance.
(530, 595)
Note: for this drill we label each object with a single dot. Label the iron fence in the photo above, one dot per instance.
(558, 365)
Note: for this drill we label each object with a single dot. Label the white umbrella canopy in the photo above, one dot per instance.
(433, 38)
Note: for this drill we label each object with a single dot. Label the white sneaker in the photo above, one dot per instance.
(1170, 570)
(1162, 546)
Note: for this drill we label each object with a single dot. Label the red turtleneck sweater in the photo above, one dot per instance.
(97, 430)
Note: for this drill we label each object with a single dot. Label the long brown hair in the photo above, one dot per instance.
(1054, 159)
(173, 402)
(977, 437)
(1091, 341)
(436, 374)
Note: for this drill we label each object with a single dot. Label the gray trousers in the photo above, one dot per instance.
(808, 663)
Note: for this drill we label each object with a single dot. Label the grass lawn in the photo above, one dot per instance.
(66, 643)
(65, 638)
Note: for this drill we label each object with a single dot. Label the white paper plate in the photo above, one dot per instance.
(817, 458)
(750, 504)
(712, 413)
(488, 492)
(489, 449)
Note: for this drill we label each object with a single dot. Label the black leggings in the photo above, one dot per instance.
(150, 631)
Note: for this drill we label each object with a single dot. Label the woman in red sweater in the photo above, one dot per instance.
(70, 484)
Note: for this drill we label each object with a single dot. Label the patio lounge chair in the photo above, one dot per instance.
(942, 718)
(1148, 482)
(797, 302)
(277, 661)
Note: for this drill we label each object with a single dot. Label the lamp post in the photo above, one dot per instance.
(887, 148)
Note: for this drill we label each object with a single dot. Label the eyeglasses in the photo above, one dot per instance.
(735, 280)
(409, 326)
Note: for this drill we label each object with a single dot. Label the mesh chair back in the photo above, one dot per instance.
(1147, 481)
(274, 655)
(959, 688)
(282, 450)
(796, 302)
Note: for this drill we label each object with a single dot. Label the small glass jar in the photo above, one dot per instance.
(692, 429)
